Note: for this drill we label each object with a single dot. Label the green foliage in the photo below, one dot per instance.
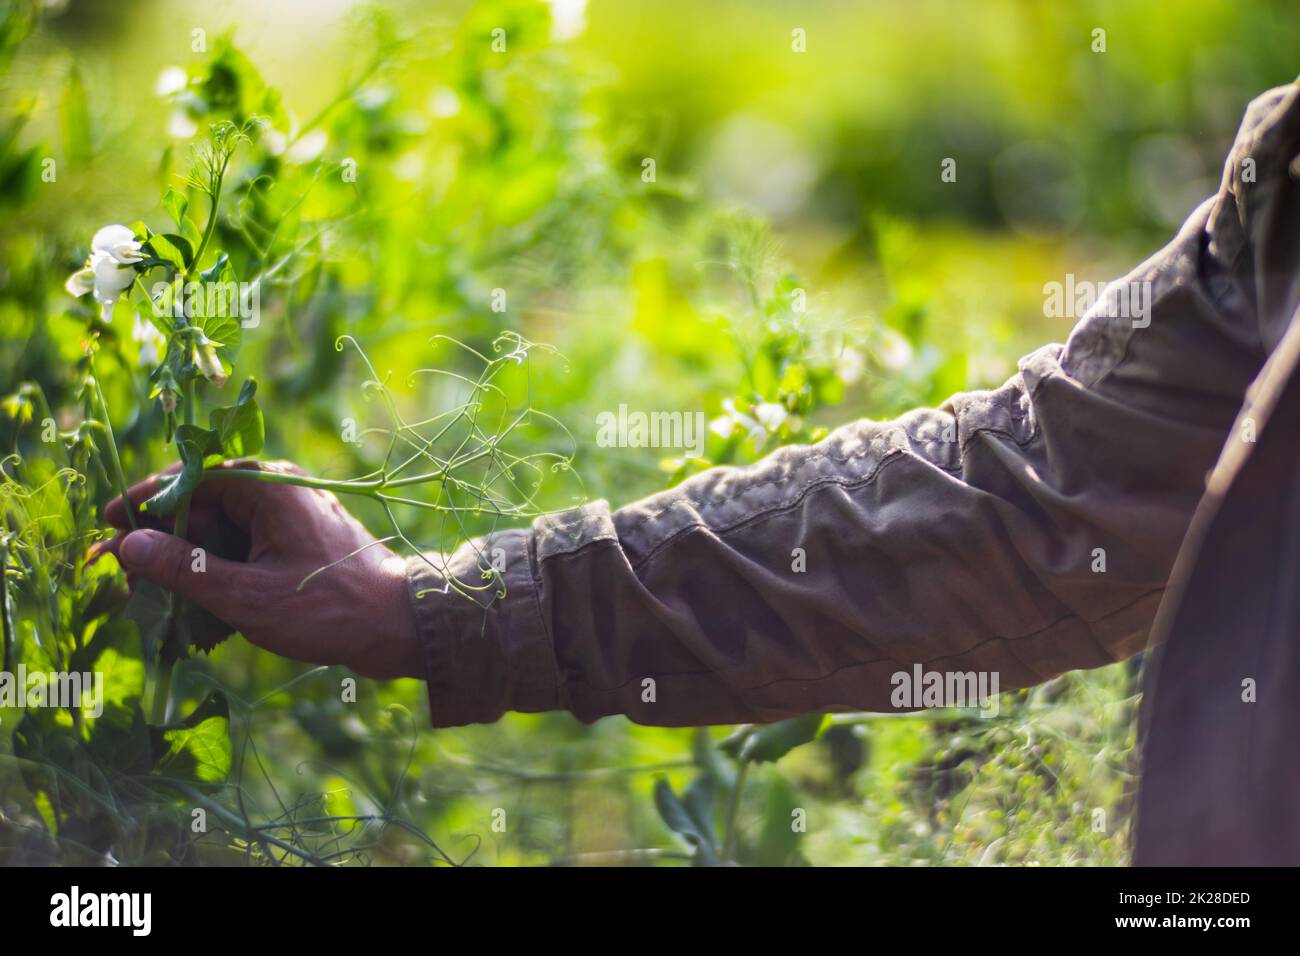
(750, 744)
(693, 814)
(380, 203)
(199, 746)
(238, 430)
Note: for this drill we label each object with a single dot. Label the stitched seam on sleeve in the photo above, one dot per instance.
(576, 547)
(853, 484)
(871, 446)
(887, 659)
(535, 584)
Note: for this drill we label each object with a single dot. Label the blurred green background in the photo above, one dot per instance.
(775, 169)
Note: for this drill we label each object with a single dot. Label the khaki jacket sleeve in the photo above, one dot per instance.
(1026, 531)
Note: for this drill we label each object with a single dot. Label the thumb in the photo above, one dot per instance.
(185, 569)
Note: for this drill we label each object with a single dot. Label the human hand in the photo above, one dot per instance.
(356, 612)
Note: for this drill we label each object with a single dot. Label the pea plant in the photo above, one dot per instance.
(258, 225)
(351, 290)
(190, 311)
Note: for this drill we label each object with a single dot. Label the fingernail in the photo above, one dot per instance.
(138, 548)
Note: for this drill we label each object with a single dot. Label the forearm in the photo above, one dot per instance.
(1028, 545)
(1025, 531)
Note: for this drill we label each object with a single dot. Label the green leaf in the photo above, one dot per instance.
(219, 271)
(170, 626)
(176, 205)
(191, 232)
(198, 747)
(123, 684)
(771, 742)
(196, 443)
(197, 447)
(699, 799)
(682, 821)
(76, 118)
(183, 245)
(240, 428)
(224, 329)
(123, 742)
(708, 758)
(777, 843)
(151, 608)
(170, 248)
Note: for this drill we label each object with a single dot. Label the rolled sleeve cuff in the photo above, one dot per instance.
(490, 653)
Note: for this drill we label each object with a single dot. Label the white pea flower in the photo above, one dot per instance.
(273, 141)
(849, 366)
(771, 415)
(894, 350)
(754, 431)
(80, 282)
(205, 357)
(171, 80)
(568, 19)
(180, 126)
(147, 334)
(118, 242)
(110, 270)
(112, 278)
(723, 426)
(307, 148)
(444, 103)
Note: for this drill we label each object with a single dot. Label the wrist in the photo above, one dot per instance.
(396, 650)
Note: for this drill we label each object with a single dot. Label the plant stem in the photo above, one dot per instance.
(161, 692)
(208, 230)
(163, 682)
(46, 415)
(370, 488)
(243, 827)
(183, 512)
(118, 475)
(305, 481)
(733, 813)
(5, 615)
(343, 487)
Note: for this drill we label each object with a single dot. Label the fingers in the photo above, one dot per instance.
(178, 566)
(239, 497)
(115, 511)
(101, 548)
